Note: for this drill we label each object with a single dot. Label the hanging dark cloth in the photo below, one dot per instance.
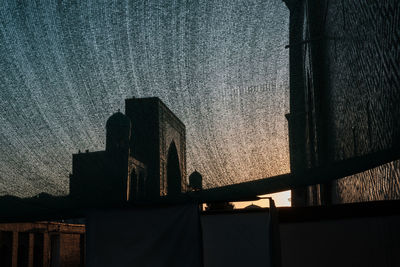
(154, 237)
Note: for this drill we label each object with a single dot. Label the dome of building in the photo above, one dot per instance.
(253, 207)
(118, 120)
(196, 181)
(118, 128)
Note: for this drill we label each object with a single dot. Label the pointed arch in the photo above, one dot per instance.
(174, 178)
(137, 189)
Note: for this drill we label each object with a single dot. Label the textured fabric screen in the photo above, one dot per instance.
(344, 94)
(66, 66)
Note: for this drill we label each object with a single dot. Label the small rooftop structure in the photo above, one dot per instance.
(195, 181)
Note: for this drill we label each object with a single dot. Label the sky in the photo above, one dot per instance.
(281, 199)
(66, 66)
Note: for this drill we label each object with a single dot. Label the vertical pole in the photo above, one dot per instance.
(297, 118)
(15, 249)
(30, 250)
(275, 241)
(46, 249)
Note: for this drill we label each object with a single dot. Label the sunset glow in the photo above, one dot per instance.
(282, 199)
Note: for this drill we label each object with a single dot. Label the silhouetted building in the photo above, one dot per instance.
(42, 244)
(252, 207)
(215, 206)
(145, 156)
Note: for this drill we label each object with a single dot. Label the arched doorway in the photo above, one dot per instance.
(173, 171)
(137, 185)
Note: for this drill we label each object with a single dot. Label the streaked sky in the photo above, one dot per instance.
(66, 66)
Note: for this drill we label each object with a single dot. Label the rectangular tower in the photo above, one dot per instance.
(158, 139)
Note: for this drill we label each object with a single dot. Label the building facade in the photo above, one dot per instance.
(145, 156)
(42, 244)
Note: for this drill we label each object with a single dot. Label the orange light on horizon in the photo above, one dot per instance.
(282, 199)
